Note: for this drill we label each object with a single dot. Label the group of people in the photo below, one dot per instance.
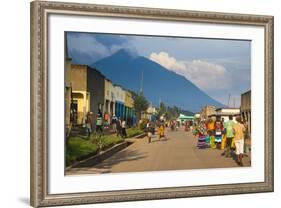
(215, 133)
(89, 123)
(160, 130)
(118, 125)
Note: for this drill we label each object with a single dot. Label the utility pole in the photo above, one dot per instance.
(141, 84)
(228, 100)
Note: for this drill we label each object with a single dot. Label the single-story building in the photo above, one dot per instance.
(183, 118)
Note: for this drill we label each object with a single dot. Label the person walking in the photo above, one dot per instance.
(123, 125)
(186, 125)
(172, 125)
(202, 133)
(161, 131)
(212, 140)
(99, 124)
(229, 135)
(106, 120)
(113, 123)
(89, 123)
(118, 127)
(211, 126)
(218, 130)
(239, 135)
(149, 131)
(99, 113)
(223, 136)
(177, 125)
(190, 126)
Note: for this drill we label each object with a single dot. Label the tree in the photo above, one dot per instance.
(140, 104)
(168, 112)
(162, 110)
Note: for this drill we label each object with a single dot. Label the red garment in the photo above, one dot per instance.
(218, 128)
(106, 116)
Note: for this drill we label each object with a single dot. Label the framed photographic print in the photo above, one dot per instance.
(142, 103)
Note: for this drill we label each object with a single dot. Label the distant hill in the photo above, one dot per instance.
(159, 84)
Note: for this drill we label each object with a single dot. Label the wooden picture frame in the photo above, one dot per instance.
(39, 103)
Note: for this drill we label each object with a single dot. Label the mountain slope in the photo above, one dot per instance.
(159, 84)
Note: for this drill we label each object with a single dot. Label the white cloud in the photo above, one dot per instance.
(167, 61)
(207, 76)
(87, 44)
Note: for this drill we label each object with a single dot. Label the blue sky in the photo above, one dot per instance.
(218, 67)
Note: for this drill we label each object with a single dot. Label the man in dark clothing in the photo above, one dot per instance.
(99, 124)
(118, 127)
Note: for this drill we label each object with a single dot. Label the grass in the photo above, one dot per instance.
(79, 148)
(133, 132)
(110, 140)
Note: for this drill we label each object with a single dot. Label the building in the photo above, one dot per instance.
(197, 115)
(87, 92)
(128, 107)
(245, 109)
(67, 91)
(183, 118)
(225, 113)
(109, 98)
(149, 114)
(119, 101)
(207, 111)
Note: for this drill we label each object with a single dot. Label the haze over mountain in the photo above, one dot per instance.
(159, 84)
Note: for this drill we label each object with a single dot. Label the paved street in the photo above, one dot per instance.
(178, 152)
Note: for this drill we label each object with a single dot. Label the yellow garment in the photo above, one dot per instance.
(212, 142)
(161, 131)
(211, 125)
(223, 140)
(233, 144)
(239, 130)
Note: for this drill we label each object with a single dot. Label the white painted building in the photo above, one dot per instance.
(226, 112)
(149, 113)
(119, 93)
(109, 97)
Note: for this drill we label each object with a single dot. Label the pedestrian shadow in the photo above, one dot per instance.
(155, 138)
(247, 162)
(123, 156)
(233, 156)
(159, 140)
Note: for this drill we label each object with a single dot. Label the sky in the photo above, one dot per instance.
(219, 67)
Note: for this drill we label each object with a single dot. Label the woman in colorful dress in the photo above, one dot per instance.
(202, 132)
(210, 139)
